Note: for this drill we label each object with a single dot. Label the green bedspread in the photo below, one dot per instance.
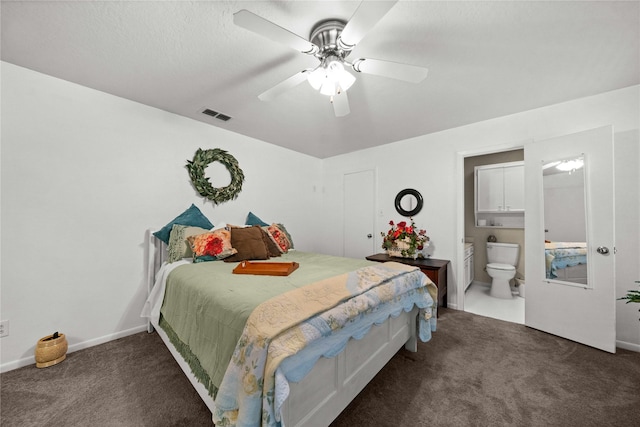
(206, 306)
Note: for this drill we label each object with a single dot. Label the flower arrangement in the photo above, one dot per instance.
(404, 240)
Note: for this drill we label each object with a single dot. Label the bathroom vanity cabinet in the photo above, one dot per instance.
(435, 269)
(468, 265)
(499, 195)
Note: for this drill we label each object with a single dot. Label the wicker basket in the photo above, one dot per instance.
(51, 351)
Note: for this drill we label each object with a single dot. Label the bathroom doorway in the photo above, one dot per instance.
(477, 283)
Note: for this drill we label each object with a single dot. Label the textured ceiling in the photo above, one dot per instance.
(486, 59)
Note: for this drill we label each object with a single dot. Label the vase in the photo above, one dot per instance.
(398, 247)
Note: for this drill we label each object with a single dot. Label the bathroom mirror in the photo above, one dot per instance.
(408, 202)
(565, 221)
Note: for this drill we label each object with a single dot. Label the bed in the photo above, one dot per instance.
(566, 261)
(290, 380)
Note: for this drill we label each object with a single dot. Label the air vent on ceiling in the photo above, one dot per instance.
(215, 114)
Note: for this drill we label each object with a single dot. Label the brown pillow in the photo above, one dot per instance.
(249, 244)
(272, 247)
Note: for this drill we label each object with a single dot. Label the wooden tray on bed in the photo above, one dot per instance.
(266, 268)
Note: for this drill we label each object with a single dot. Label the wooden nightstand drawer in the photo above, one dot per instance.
(435, 269)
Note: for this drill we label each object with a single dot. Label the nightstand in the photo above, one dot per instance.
(435, 269)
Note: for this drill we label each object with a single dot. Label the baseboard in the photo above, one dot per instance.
(485, 284)
(628, 346)
(10, 366)
(31, 360)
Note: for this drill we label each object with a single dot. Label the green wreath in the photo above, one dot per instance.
(196, 168)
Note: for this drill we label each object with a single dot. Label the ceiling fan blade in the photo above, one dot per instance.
(284, 86)
(340, 103)
(365, 17)
(268, 29)
(395, 70)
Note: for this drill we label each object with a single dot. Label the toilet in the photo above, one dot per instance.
(502, 259)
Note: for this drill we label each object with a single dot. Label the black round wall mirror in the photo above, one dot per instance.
(409, 202)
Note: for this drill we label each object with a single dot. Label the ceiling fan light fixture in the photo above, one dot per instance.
(346, 80)
(336, 72)
(328, 88)
(330, 77)
(331, 42)
(317, 77)
(333, 64)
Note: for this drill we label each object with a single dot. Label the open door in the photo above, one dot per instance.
(569, 235)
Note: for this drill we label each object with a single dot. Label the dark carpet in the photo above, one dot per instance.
(476, 371)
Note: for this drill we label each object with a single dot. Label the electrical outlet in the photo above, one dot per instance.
(4, 328)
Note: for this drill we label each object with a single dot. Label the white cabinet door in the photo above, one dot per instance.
(467, 273)
(500, 188)
(490, 190)
(468, 267)
(514, 188)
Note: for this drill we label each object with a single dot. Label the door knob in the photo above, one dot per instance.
(603, 250)
(369, 236)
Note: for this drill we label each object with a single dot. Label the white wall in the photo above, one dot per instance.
(83, 175)
(627, 196)
(433, 164)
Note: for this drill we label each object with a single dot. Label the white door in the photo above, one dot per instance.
(580, 312)
(359, 214)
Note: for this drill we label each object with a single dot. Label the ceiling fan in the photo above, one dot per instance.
(331, 41)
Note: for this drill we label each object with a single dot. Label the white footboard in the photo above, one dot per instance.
(333, 383)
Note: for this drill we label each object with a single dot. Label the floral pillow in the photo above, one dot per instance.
(179, 247)
(279, 237)
(272, 248)
(211, 246)
(284, 230)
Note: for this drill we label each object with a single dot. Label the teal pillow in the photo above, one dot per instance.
(192, 217)
(254, 220)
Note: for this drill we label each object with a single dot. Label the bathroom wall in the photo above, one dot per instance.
(478, 235)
